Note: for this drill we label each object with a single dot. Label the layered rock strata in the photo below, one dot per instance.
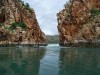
(16, 14)
(79, 21)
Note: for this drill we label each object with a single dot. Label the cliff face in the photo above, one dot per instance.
(14, 14)
(79, 20)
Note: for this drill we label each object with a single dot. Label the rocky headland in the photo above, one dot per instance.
(79, 23)
(18, 24)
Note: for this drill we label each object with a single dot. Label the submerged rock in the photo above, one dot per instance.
(79, 20)
(19, 20)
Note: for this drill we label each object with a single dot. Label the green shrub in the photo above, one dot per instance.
(1, 24)
(95, 12)
(27, 6)
(17, 24)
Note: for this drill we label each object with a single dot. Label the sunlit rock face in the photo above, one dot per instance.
(12, 11)
(79, 21)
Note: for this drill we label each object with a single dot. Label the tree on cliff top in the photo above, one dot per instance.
(27, 6)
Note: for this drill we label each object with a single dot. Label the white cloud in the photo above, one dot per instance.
(46, 11)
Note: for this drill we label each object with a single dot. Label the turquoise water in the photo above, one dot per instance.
(50, 60)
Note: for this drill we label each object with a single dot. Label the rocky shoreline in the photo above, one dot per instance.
(81, 44)
(24, 45)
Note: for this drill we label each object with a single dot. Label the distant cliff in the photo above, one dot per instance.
(79, 21)
(52, 39)
(18, 23)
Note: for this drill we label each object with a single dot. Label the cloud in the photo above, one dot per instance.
(46, 11)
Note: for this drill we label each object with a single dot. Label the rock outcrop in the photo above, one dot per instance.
(14, 15)
(79, 21)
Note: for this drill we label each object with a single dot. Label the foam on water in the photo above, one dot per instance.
(53, 45)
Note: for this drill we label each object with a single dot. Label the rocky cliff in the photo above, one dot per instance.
(79, 21)
(18, 23)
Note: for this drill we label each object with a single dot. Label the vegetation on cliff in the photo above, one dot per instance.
(1, 24)
(27, 6)
(94, 12)
(18, 24)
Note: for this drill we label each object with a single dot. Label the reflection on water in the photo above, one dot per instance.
(25, 61)
(50, 60)
(77, 61)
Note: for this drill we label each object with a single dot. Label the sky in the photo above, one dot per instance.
(46, 11)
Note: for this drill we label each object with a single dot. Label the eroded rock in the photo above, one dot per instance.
(16, 11)
(79, 20)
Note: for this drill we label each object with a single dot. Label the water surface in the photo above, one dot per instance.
(49, 60)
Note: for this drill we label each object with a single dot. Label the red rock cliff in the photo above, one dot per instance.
(16, 11)
(79, 20)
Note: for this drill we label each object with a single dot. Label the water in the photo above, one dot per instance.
(50, 60)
